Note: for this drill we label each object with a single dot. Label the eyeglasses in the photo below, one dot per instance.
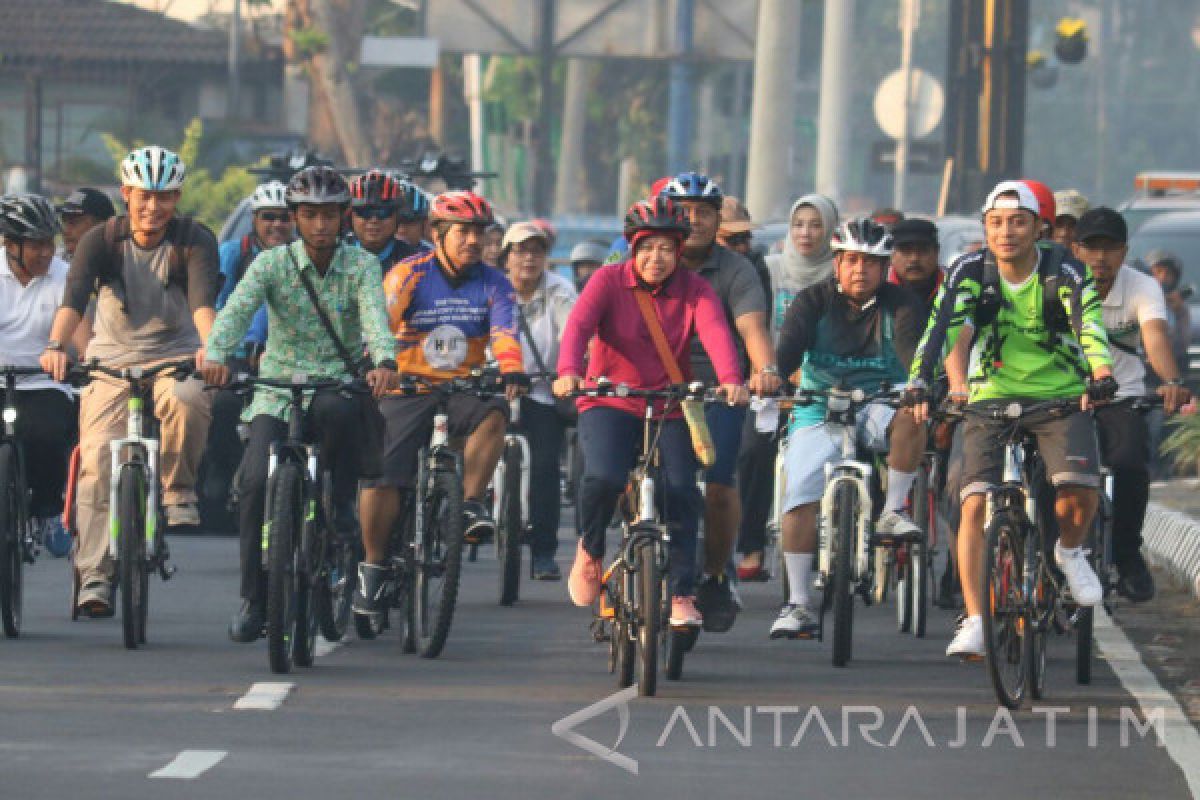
(739, 239)
(274, 216)
(374, 212)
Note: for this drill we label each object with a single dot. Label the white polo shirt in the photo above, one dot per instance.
(1134, 300)
(26, 315)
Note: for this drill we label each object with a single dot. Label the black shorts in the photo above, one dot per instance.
(1067, 446)
(410, 424)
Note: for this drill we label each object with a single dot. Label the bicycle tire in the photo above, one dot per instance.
(918, 569)
(904, 603)
(1006, 619)
(508, 527)
(1084, 637)
(11, 559)
(622, 648)
(307, 559)
(917, 563)
(845, 517)
(676, 648)
(649, 607)
(334, 592)
(132, 583)
(283, 527)
(437, 575)
(1042, 610)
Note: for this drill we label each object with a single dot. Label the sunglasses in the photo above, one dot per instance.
(374, 212)
(739, 239)
(274, 216)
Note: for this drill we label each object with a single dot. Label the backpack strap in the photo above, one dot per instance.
(179, 235)
(244, 258)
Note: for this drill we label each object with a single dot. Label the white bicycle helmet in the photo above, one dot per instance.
(862, 235)
(269, 195)
(152, 168)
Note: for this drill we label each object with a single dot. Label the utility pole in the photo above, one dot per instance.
(541, 141)
(910, 11)
(769, 183)
(833, 115)
(571, 154)
(473, 94)
(679, 120)
(234, 98)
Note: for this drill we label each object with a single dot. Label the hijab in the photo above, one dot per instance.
(793, 271)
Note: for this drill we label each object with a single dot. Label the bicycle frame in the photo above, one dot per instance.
(148, 447)
(517, 438)
(847, 469)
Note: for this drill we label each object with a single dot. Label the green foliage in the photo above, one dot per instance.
(1183, 443)
(209, 199)
(308, 41)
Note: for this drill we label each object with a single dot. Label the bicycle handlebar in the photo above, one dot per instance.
(244, 382)
(675, 391)
(82, 372)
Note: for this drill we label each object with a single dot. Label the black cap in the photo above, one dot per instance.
(1101, 221)
(914, 231)
(88, 201)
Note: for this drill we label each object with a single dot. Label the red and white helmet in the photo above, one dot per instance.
(463, 207)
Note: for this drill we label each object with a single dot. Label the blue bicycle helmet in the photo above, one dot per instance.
(414, 203)
(693, 186)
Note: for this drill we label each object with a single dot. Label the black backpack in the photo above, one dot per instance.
(991, 298)
(116, 233)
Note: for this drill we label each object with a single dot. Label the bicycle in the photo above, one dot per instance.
(136, 520)
(311, 568)
(635, 597)
(1100, 545)
(426, 545)
(846, 539)
(510, 504)
(1021, 591)
(17, 545)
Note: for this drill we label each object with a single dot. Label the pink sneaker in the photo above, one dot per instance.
(584, 583)
(684, 612)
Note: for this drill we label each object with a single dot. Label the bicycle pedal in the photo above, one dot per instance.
(167, 571)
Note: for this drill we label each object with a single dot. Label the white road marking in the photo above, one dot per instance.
(190, 764)
(1181, 740)
(264, 696)
(325, 647)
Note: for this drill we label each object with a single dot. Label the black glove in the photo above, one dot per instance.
(1102, 390)
(914, 394)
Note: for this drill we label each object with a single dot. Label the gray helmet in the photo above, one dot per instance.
(589, 251)
(317, 186)
(27, 216)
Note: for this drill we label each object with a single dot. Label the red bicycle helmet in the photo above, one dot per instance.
(1045, 198)
(461, 206)
(375, 188)
(654, 216)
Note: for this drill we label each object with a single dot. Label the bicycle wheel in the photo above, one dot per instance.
(283, 531)
(132, 583)
(845, 517)
(1006, 620)
(437, 573)
(334, 591)
(509, 527)
(650, 619)
(1042, 609)
(12, 530)
(904, 605)
(918, 579)
(307, 567)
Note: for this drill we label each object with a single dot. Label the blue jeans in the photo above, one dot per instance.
(725, 425)
(544, 430)
(611, 441)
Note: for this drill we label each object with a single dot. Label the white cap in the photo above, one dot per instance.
(1071, 203)
(1025, 197)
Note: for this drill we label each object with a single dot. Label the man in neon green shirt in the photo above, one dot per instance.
(1028, 347)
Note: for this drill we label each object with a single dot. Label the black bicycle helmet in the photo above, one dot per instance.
(28, 216)
(657, 215)
(317, 186)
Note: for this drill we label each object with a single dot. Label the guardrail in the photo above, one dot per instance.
(1171, 540)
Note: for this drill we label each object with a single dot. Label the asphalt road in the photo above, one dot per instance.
(80, 716)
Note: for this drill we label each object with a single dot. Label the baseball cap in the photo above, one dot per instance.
(734, 217)
(524, 231)
(1101, 221)
(913, 230)
(1071, 203)
(1025, 198)
(88, 201)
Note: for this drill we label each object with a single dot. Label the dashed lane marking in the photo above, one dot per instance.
(190, 764)
(264, 696)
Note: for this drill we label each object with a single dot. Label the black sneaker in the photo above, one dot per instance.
(247, 623)
(716, 603)
(544, 569)
(369, 592)
(478, 526)
(1135, 583)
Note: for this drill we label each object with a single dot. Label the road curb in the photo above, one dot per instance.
(1172, 541)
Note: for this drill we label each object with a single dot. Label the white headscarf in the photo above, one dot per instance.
(793, 271)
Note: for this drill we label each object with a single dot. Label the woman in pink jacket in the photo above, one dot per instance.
(608, 318)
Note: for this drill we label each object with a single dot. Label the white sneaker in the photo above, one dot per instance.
(1081, 578)
(794, 622)
(968, 639)
(898, 524)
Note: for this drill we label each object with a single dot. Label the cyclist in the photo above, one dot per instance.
(493, 241)
(83, 210)
(1135, 318)
(32, 282)
(413, 213)
(1069, 205)
(375, 202)
(445, 308)
(348, 285)
(155, 276)
(915, 258)
(740, 291)
(271, 226)
(806, 260)
(854, 330)
(610, 428)
(1039, 335)
(544, 300)
(587, 257)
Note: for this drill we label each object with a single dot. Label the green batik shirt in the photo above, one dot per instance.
(351, 292)
(1017, 357)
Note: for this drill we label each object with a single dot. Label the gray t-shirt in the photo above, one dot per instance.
(154, 322)
(737, 284)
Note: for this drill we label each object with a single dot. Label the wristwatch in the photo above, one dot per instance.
(1175, 382)
(55, 346)
(769, 369)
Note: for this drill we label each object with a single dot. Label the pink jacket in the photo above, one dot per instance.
(623, 351)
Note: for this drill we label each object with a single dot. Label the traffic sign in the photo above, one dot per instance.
(928, 102)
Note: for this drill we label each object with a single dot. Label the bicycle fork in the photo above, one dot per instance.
(151, 447)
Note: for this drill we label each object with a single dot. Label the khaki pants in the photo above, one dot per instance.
(184, 411)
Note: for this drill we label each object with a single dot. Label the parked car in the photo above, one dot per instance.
(1178, 233)
(1158, 193)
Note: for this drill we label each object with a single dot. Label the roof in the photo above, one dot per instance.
(64, 33)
